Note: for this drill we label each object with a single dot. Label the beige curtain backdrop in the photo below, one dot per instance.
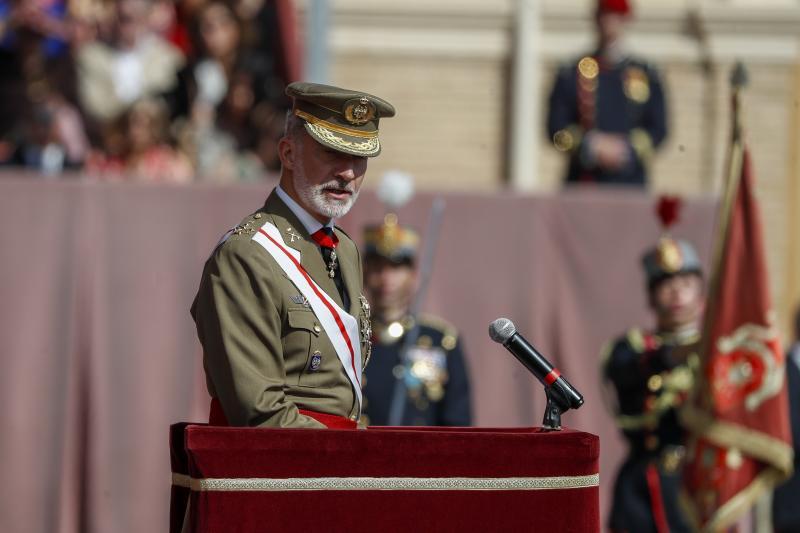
(99, 353)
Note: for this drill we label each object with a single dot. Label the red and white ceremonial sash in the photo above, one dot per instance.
(341, 327)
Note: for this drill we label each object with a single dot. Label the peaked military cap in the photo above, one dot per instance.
(341, 119)
(391, 241)
(668, 258)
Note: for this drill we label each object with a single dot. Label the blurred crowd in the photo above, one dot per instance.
(142, 90)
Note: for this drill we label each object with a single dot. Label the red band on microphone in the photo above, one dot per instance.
(551, 378)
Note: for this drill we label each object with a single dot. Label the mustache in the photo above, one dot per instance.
(338, 185)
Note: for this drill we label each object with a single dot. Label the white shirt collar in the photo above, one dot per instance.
(311, 224)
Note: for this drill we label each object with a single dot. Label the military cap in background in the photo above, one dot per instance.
(341, 119)
(391, 241)
(670, 256)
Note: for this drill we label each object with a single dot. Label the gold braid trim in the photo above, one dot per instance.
(756, 444)
(736, 507)
(385, 483)
(311, 119)
(368, 147)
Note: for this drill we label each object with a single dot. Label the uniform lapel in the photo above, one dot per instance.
(351, 282)
(295, 235)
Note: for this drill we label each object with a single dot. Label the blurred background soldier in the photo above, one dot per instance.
(607, 109)
(651, 373)
(432, 374)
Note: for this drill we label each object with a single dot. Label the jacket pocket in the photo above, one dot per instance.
(313, 350)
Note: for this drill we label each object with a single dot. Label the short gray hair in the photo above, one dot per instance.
(293, 126)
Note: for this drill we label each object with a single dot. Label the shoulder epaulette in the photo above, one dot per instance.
(605, 352)
(636, 338)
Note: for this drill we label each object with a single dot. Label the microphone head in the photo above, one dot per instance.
(501, 330)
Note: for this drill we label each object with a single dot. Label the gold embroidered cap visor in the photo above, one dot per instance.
(342, 119)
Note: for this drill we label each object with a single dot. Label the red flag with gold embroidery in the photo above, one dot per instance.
(740, 442)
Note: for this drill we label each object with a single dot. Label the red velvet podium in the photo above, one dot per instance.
(384, 479)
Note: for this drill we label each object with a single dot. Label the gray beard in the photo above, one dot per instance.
(314, 197)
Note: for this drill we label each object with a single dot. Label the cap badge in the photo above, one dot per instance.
(359, 111)
(670, 258)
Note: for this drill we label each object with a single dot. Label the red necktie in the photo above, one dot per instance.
(325, 237)
(327, 241)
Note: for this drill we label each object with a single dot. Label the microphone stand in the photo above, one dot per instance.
(552, 412)
(398, 406)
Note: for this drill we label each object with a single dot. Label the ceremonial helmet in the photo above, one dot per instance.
(670, 256)
(389, 239)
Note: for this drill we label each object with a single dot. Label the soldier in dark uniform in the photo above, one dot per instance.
(434, 386)
(607, 109)
(651, 373)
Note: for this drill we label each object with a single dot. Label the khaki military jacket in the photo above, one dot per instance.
(265, 353)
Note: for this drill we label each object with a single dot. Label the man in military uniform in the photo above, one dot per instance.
(651, 374)
(428, 384)
(607, 109)
(279, 311)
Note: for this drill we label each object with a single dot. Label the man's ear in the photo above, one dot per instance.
(286, 152)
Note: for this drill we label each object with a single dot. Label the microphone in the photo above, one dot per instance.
(566, 396)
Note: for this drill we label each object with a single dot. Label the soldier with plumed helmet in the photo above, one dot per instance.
(650, 374)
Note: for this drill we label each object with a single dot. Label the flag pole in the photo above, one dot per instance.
(738, 82)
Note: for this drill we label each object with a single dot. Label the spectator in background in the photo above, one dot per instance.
(41, 129)
(139, 150)
(607, 110)
(33, 47)
(45, 18)
(52, 138)
(785, 508)
(179, 31)
(131, 63)
(220, 98)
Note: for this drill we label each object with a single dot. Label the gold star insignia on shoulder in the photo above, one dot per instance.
(243, 229)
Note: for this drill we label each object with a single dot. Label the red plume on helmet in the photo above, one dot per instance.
(621, 7)
(668, 209)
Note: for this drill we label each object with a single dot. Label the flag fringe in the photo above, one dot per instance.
(756, 444)
(735, 508)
